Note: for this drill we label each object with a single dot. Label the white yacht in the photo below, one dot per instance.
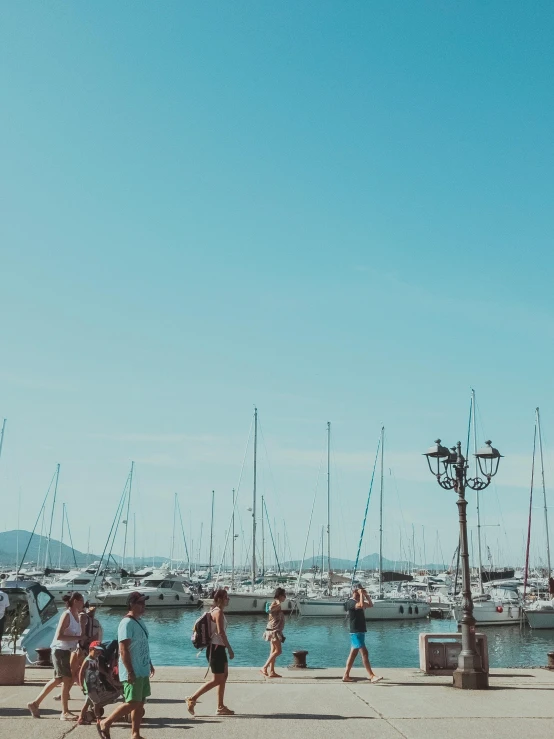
(42, 612)
(164, 590)
(86, 582)
(500, 606)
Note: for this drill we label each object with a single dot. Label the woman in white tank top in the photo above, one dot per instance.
(67, 637)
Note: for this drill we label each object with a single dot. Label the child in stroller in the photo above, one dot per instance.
(98, 678)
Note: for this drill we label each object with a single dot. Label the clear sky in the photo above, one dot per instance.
(335, 211)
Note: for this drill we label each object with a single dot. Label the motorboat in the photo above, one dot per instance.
(164, 590)
(87, 582)
(42, 616)
(500, 606)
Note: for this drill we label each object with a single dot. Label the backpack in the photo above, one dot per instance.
(201, 631)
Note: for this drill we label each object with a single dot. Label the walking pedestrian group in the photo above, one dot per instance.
(122, 669)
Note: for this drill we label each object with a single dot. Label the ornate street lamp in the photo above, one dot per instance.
(450, 468)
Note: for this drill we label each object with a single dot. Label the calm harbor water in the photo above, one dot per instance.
(390, 644)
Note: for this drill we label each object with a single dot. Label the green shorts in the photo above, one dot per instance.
(137, 691)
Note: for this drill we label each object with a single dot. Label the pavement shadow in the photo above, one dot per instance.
(173, 723)
(15, 712)
(297, 716)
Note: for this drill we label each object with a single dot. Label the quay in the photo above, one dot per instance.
(311, 703)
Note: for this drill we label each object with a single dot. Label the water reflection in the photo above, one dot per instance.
(391, 644)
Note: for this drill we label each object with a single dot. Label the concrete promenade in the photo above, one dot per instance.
(312, 703)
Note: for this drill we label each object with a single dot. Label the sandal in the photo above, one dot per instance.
(375, 679)
(103, 733)
(190, 705)
(68, 717)
(35, 713)
(274, 674)
(224, 711)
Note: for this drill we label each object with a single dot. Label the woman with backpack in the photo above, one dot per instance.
(216, 654)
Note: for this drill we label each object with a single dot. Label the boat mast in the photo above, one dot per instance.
(233, 545)
(263, 542)
(253, 574)
(329, 573)
(381, 515)
(211, 537)
(127, 517)
(172, 552)
(52, 518)
(544, 496)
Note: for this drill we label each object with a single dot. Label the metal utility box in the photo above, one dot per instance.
(438, 653)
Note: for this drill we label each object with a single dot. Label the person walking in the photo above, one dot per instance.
(274, 632)
(356, 606)
(65, 642)
(4, 605)
(135, 667)
(216, 654)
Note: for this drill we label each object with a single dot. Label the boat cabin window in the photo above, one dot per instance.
(153, 583)
(81, 582)
(167, 584)
(46, 606)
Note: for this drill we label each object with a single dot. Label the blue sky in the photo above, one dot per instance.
(334, 211)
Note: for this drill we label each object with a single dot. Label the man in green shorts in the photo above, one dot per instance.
(135, 667)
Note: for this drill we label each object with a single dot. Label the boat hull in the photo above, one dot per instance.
(118, 599)
(487, 614)
(244, 604)
(540, 619)
(388, 609)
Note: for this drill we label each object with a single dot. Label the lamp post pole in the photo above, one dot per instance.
(469, 673)
(451, 474)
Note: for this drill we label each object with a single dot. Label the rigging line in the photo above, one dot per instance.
(183, 532)
(309, 526)
(530, 512)
(366, 509)
(117, 513)
(272, 539)
(469, 424)
(234, 506)
(36, 524)
(70, 537)
(272, 476)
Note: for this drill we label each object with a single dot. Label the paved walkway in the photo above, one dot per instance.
(312, 703)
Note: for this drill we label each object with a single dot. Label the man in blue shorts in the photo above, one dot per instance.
(356, 606)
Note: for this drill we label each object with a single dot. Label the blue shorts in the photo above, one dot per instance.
(357, 641)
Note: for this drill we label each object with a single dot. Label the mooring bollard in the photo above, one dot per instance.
(300, 658)
(44, 657)
(550, 657)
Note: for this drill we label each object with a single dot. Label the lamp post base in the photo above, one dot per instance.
(470, 679)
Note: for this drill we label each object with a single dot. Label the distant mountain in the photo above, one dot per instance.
(64, 555)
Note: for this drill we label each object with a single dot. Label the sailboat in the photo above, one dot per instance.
(327, 605)
(392, 608)
(253, 599)
(501, 605)
(540, 614)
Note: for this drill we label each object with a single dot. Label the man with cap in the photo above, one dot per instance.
(135, 667)
(356, 605)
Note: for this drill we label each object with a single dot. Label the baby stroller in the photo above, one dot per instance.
(101, 683)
